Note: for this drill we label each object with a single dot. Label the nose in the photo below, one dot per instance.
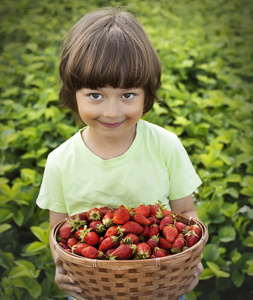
(112, 109)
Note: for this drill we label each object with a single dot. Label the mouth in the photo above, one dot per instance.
(111, 125)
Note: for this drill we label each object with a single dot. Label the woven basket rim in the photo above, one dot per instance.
(129, 264)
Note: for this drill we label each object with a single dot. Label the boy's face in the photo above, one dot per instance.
(110, 112)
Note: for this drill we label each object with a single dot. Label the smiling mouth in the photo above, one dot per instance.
(111, 125)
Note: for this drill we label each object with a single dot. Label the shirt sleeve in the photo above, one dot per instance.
(51, 191)
(182, 176)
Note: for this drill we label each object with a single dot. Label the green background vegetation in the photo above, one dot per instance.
(206, 52)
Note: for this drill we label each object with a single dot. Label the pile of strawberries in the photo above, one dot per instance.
(148, 231)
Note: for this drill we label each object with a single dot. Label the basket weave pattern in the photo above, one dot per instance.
(161, 278)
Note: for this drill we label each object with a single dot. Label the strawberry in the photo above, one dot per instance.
(139, 218)
(91, 238)
(156, 210)
(143, 250)
(107, 219)
(152, 220)
(131, 238)
(144, 235)
(124, 252)
(92, 252)
(109, 242)
(121, 216)
(94, 214)
(81, 217)
(181, 227)
(71, 242)
(63, 245)
(77, 248)
(163, 243)
(78, 233)
(153, 230)
(66, 230)
(132, 227)
(178, 244)
(113, 230)
(166, 221)
(159, 252)
(166, 212)
(191, 238)
(170, 232)
(153, 242)
(107, 254)
(143, 210)
(97, 226)
(196, 229)
(104, 210)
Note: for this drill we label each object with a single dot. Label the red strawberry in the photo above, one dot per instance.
(91, 238)
(107, 218)
(140, 219)
(166, 212)
(181, 227)
(104, 210)
(166, 221)
(97, 226)
(92, 252)
(156, 211)
(163, 243)
(143, 210)
(71, 242)
(196, 229)
(143, 250)
(170, 233)
(109, 242)
(107, 254)
(159, 252)
(66, 230)
(79, 233)
(132, 227)
(131, 239)
(63, 245)
(124, 252)
(191, 238)
(81, 217)
(144, 235)
(153, 242)
(178, 244)
(77, 248)
(152, 220)
(113, 231)
(153, 230)
(121, 216)
(94, 214)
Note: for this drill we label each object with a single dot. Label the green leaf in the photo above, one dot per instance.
(30, 284)
(237, 278)
(248, 241)
(34, 247)
(227, 234)
(216, 270)
(4, 227)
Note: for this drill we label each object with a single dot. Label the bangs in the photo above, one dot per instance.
(116, 62)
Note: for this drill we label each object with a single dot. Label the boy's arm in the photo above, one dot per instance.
(63, 281)
(186, 206)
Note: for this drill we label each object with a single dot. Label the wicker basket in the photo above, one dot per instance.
(157, 279)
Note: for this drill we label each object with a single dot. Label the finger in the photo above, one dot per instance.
(76, 296)
(194, 282)
(200, 268)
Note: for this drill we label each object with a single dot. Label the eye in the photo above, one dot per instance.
(95, 96)
(128, 96)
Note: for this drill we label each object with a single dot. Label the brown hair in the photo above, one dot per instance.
(108, 47)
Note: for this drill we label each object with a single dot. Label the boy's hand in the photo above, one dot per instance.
(65, 283)
(195, 280)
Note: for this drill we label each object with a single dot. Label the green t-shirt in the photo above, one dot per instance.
(155, 167)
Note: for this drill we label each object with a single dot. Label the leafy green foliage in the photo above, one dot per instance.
(206, 53)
